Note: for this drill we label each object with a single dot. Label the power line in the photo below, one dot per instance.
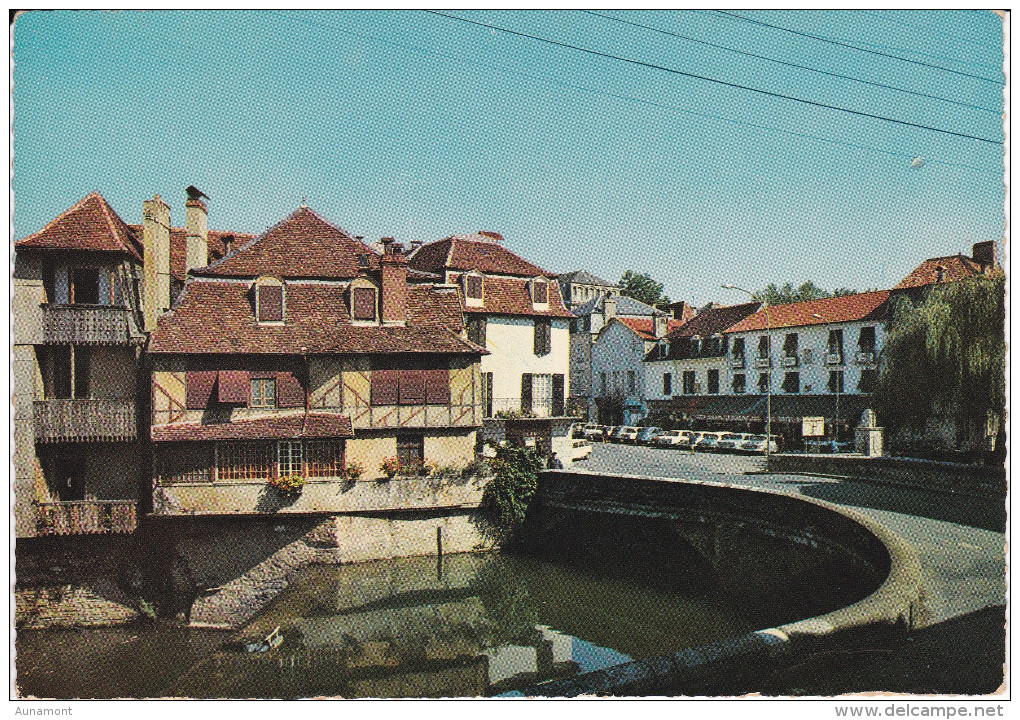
(628, 98)
(716, 80)
(859, 49)
(792, 64)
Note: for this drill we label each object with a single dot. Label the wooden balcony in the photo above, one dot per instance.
(85, 325)
(84, 420)
(86, 517)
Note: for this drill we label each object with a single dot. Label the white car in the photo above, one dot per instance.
(756, 444)
(709, 440)
(581, 450)
(628, 434)
(673, 438)
(732, 442)
(594, 432)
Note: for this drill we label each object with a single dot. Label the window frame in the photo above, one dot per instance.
(287, 448)
(360, 290)
(262, 400)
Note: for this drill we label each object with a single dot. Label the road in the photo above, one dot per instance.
(959, 540)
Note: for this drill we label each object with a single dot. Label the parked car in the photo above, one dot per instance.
(708, 441)
(613, 433)
(628, 434)
(692, 439)
(581, 450)
(673, 438)
(756, 444)
(732, 442)
(594, 433)
(646, 435)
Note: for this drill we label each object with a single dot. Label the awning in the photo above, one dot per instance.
(303, 425)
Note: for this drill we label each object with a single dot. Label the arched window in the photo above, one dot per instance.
(270, 300)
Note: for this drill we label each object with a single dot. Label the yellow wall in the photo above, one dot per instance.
(450, 449)
(370, 452)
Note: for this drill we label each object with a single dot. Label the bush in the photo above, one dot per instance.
(353, 472)
(289, 485)
(390, 467)
(475, 468)
(514, 481)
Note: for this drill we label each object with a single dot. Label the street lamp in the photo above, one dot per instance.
(840, 377)
(768, 385)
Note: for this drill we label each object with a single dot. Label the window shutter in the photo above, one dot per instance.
(364, 303)
(538, 337)
(526, 392)
(543, 336)
(270, 303)
(412, 387)
(384, 387)
(474, 287)
(437, 386)
(199, 388)
(541, 293)
(235, 387)
(557, 395)
(289, 392)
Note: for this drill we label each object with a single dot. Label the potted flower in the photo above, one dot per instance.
(390, 467)
(288, 486)
(353, 471)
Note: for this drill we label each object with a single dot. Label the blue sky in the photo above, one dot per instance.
(407, 124)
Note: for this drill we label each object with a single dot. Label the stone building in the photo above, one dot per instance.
(581, 287)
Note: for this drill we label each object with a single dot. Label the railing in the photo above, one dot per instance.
(85, 324)
(86, 517)
(866, 357)
(763, 362)
(737, 361)
(790, 361)
(540, 407)
(93, 419)
(834, 359)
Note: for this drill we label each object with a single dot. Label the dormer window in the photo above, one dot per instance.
(363, 304)
(540, 293)
(474, 289)
(270, 301)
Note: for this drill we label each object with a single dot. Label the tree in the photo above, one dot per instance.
(774, 295)
(643, 288)
(945, 358)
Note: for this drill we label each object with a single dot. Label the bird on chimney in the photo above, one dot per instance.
(194, 193)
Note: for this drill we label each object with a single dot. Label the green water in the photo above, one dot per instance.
(470, 625)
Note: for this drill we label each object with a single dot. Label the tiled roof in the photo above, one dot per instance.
(302, 425)
(510, 296)
(217, 317)
(585, 278)
(472, 252)
(645, 327)
(303, 245)
(714, 320)
(90, 225)
(849, 308)
(955, 267)
(179, 246)
(625, 307)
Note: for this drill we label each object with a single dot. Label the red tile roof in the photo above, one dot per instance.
(955, 267)
(644, 327)
(179, 246)
(302, 425)
(714, 320)
(510, 296)
(302, 245)
(217, 317)
(849, 308)
(477, 251)
(90, 225)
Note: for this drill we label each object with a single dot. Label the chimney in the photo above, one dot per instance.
(491, 236)
(156, 259)
(394, 285)
(198, 234)
(986, 254)
(415, 244)
(660, 322)
(609, 307)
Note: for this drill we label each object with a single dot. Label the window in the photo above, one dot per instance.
(868, 381)
(866, 340)
(476, 329)
(836, 381)
(84, 286)
(543, 336)
(410, 449)
(739, 384)
(290, 458)
(791, 382)
(263, 393)
(541, 292)
(363, 301)
(269, 299)
(411, 384)
(245, 461)
(763, 382)
(56, 363)
(631, 382)
(325, 458)
(689, 382)
(541, 394)
(836, 346)
(473, 287)
(487, 393)
(764, 349)
(185, 463)
(667, 384)
(738, 348)
(790, 345)
(713, 382)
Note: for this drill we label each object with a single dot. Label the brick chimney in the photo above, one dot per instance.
(491, 236)
(156, 259)
(198, 235)
(986, 254)
(393, 265)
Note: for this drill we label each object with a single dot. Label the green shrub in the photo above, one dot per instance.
(514, 481)
(289, 485)
(353, 471)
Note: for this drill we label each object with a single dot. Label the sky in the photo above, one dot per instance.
(413, 125)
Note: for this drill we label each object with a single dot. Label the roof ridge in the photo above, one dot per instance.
(59, 217)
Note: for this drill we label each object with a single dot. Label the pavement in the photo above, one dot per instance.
(960, 542)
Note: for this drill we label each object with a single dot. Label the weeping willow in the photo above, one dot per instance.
(945, 357)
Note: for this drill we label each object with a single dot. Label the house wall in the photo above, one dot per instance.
(654, 370)
(511, 342)
(112, 372)
(618, 350)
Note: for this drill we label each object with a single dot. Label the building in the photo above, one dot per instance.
(581, 287)
(617, 367)
(298, 353)
(820, 359)
(950, 268)
(514, 310)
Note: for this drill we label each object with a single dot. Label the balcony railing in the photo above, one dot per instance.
(737, 361)
(84, 420)
(763, 362)
(790, 361)
(866, 357)
(834, 358)
(85, 325)
(86, 517)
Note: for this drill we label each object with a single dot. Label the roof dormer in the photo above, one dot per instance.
(538, 287)
(473, 284)
(270, 300)
(363, 301)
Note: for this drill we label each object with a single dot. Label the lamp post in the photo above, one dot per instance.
(768, 385)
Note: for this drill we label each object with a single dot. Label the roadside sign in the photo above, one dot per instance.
(813, 427)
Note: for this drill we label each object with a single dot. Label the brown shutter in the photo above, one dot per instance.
(557, 395)
(412, 387)
(289, 392)
(541, 293)
(199, 388)
(270, 303)
(548, 335)
(364, 303)
(384, 387)
(526, 392)
(235, 387)
(437, 386)
(474, 287)
(538, 337)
